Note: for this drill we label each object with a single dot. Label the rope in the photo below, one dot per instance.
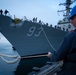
(17, 57)
(27, 57)
(11, 62)
(47, 38)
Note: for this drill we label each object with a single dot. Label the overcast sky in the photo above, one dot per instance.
(45, 10)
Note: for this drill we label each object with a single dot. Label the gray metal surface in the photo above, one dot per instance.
(30, 38)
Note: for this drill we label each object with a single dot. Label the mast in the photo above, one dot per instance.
(65, 24)
(67, 9)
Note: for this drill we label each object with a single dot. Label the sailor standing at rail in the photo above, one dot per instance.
(67, 50)
(1, 12)
(6, 11)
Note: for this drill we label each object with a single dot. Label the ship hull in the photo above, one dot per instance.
(31, 38)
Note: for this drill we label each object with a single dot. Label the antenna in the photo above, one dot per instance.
(67, 7)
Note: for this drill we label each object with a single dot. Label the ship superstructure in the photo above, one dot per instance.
(65, 24)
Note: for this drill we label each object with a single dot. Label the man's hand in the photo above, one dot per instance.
(49, 54)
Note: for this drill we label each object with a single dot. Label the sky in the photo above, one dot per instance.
(44, 10)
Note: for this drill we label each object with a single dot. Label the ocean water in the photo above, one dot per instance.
(21, 67)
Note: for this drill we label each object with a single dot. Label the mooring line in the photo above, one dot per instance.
(47, 38)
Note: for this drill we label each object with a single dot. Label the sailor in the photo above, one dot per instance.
(1, 11)
(5, 12)
(67, 50)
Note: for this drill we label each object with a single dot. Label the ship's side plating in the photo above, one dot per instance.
(31, 38)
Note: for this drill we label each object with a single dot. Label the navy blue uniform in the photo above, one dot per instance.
(67, 53)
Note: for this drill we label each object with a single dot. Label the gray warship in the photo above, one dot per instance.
(31, 37)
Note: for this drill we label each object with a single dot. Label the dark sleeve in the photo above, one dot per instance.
(63, 49)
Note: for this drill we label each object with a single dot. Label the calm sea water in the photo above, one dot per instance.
(21, 67)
